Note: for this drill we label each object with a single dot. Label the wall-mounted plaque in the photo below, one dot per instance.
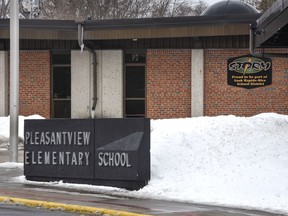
(249, 71)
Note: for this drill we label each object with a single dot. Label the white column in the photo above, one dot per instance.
(3, 84)
(109, 84)
(197, 83)
(112, 84)
(81, 74)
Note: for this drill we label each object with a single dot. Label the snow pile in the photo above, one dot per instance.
(227, 160)
(11, 165)
(223, 160)
(5, 129)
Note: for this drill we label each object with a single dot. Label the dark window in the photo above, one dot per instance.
(135, 84)
(61, 58)
(61, 84)
(135, 108)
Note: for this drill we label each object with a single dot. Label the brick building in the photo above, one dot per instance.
(156, 68)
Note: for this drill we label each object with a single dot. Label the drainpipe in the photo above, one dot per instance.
(253, 33)
(93, 52)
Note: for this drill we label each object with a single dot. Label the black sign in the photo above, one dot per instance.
(124, 152)
(53, 147)
(249, 72)
(114, 152)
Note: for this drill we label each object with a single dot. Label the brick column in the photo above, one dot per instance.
(168, 83)
(35, 83)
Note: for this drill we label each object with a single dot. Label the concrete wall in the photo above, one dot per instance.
(81, 75)
(109, 84)
(3, 84)
(197, 83)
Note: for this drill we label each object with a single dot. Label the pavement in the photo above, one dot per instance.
(14, 193)
(85, 202)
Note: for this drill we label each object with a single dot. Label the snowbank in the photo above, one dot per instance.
(223, 160)
(5, 129)
(227, 160)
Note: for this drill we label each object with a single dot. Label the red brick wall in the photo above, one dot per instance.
(221, 98)
(34, 83)
(168, 84)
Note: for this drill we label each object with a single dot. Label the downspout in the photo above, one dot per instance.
(94, 64)
(253, 33)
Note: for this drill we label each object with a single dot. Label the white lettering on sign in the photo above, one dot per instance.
(111, 159)
(57, 158)
(58, 138)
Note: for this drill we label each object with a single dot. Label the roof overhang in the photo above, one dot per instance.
(169, 27)
(194, 26)
(41, 29)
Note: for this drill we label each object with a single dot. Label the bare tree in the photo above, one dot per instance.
(254, 3)
(199, 7)
(160, 8)
(181, 8)
(261, 5)
(265, 4)
(132, 8)
(172, 8)
(24, 11)
(55, 9)
(119, 9)
(95, 9)
(4, 8)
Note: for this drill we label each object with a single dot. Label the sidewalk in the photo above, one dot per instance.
(45, 197)
(88, 201)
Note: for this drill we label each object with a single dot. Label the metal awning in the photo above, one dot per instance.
(271, 29)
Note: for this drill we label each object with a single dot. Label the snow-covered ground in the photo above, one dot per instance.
(223, 160)
(5, 129)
